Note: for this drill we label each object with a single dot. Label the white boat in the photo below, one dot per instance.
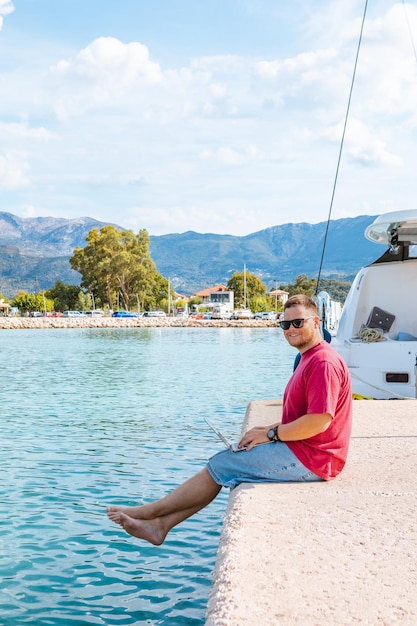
(377, 330)
(329, 311)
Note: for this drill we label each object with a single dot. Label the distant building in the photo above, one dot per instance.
(280, 295)
(205, 294)
(217, 295)
(4, 307)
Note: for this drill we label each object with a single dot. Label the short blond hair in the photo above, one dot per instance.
(301, 299)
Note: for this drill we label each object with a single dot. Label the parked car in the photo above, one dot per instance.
(242, 314)
(94, 313)
(221, 312)
(124, 314)
(154, 314)
(198, 315)
(74, 314)
(265, 315)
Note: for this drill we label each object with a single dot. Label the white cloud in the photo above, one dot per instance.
(6, 7)
(390, 69)
(14, 132)
(18, 144)
(362, 145)
(229, 156)
(30, 211)
(107, 59)
(13, 170)
(300, 65)
(160, 220)
(102, 74)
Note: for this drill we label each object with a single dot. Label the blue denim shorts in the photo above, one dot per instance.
(272, 462)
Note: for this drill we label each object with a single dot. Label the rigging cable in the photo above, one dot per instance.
(341, 148)
(410, 32)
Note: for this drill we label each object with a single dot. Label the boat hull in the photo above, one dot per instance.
(381, 369)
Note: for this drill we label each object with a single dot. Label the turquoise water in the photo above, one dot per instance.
(94, 417)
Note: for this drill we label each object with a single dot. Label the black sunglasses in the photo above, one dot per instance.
(297, 323)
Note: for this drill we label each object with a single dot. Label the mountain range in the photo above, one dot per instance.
(35, 252)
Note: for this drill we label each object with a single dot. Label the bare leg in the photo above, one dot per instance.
(154, 530)
(153, 521)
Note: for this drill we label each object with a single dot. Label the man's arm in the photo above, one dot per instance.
(304, 427)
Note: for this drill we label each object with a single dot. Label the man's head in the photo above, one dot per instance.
(301, 300)
(304, 330)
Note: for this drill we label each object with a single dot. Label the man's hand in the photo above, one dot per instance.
(255, 436)
(303, 427)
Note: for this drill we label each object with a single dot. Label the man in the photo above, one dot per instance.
(309, 444)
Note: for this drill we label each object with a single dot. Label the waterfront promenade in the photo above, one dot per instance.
(336, 553)
(18, 323)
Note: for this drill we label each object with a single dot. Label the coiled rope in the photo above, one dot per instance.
(370, 335)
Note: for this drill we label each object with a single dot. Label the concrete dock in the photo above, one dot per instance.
(330, 553)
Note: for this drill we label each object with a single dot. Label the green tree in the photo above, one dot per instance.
(29, 302)
(158, 294)
(255, 289)
(195, 302)
(83, 301)
(43, 303)
(180, 303)
(263, 303)
(25, 302)
(65, 296)
(93, 262)
(337, 289)
(302, 284)
(117, 266)
(148, 285)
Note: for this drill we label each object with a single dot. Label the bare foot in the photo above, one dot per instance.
(149, 530)
(113, 513)
(137, 512)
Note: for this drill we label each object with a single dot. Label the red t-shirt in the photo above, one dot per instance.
(321, 384)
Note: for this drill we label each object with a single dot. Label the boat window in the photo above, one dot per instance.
(412, 251)
(396, 377)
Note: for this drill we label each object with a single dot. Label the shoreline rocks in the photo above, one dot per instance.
(19, 323)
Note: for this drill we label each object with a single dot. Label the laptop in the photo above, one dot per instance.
(232, 446)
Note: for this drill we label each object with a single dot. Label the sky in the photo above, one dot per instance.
(217, 116)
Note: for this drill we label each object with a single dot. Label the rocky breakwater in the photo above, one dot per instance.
(19, 323)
